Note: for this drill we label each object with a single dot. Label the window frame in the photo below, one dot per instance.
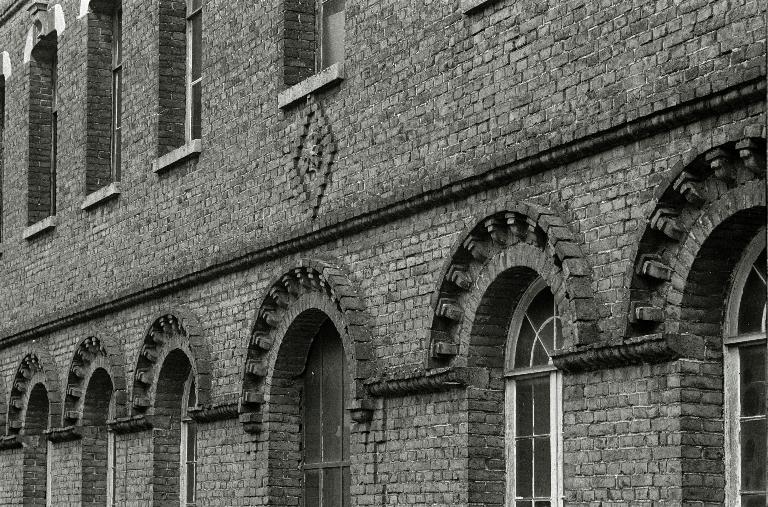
(320, 63)
(512, 377)
(188, 429)
(191, 13)
(115, 142)
(732, 344)
(54, 129)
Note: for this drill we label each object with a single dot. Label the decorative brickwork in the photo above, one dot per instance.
(170, 332)
(526, 236)
(34, 370)
(313, 155)
(290, 314)
(694, 199)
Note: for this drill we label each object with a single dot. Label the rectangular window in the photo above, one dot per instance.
(2, 149)
(331, 33)
(746, 429)
(117, 93)
(194, 68)
(189, 462)
(111, 469)
(534, 457)
(54, 133)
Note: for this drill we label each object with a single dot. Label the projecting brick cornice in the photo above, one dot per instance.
(497, 171)
(432, 381)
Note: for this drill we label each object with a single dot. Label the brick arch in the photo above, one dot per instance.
(48, 23)
(727, 175)
(34, 369)
(295, 304)
(499, 235)
(92, 354)
(170, 331)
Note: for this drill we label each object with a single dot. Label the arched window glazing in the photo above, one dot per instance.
(533, 414)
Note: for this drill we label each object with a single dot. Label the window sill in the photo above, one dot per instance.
(467, 6)
(46, 224)
(189, 150)
(329, 76)
(101, 195)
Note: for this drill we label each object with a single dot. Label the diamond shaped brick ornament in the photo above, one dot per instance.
(313, 154)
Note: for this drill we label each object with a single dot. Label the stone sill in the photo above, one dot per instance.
(192, 149)
(101, 195)
(329, 76)
(467, 6)
(46, 224)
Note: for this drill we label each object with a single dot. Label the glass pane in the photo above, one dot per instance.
(117, 97)
(196, 36)
(541, 466)
(543, 503)
(333, 411)
(191, 478)
(191, 442)
(542, 307)
(523, 503)
(752, 369)
(524, 408)
(541, 406)
(753, 501)
(117, 39)
(547, 335)
(753, 298)
(524, 467)
(333, 32)
(312, 405)
(524, 345)
(195, 4)
(540, 357)
(312, 488)
(753, 452)
(196, 99)
(558, 333)
(332, 487)
(345, 486)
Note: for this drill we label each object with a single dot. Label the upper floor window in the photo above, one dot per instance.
(104, 71)
(194, 67)
(43, 128)
(533, 402)
(325, 421)
(331, 32)
(745, 380)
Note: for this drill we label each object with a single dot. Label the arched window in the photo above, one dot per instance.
(37, 470)
(533, 402)
(325, 422)
(96, 451)
(188, 448)
(745, 330)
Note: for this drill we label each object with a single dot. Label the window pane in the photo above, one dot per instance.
(547, 336)
(191, 478)
(195, 4)
(558, 333)
(524, 345)
(191, 441)
(333, 416)
(196, 98)
(196, 37)
(541, 405)
(524, 467)
(753, 452)
(333, 32)
(540, 357)
(542, 307)
(332, 487)
(524, 408)
(543, 503)
(312, 406)
(541, 466)
(117, 39)
(752, 369)
(753, 298)
(753, 501)
(345, 486)
(312, 488)
(523, 503)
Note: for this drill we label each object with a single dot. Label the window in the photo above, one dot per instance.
(111, 449)
(326, 427)
(331, 33)
(43, 123)
(745, 380)
(194, 67)
(533, 402)
(117, 92)
(104, 94)
(188, 450)
(2, 149)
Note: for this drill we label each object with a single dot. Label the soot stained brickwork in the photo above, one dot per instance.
(614, 150)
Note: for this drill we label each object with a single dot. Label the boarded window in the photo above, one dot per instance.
(326, 424)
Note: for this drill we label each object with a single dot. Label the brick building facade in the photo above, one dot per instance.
(450, 252)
